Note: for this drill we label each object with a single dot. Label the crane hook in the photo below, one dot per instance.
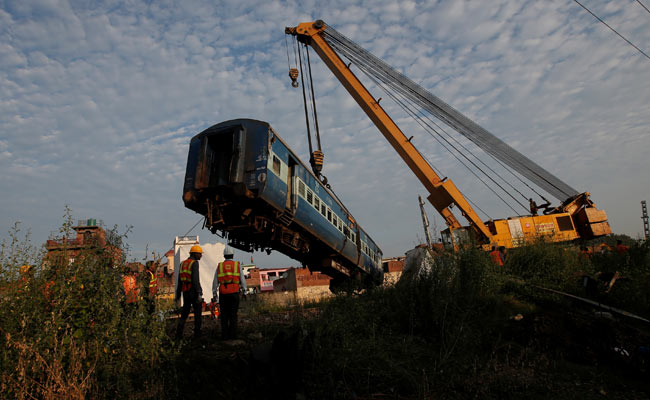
(293, 74)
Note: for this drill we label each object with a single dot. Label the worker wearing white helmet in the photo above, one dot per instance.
(190, 286)
(228, 280)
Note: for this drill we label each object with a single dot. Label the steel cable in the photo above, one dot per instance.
(451, 117)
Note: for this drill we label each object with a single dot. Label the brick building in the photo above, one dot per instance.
(307, 285)
(88, 236)
(392, 269)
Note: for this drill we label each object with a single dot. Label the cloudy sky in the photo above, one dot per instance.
(98, 102)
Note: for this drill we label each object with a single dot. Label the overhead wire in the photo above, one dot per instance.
(643, 5)
(614, 30)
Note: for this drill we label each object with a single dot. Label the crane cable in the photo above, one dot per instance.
(422, 124)
(367, 70)
(452, 117)
(316, 157)
(368, 63)
(419, 121)
(304, 100)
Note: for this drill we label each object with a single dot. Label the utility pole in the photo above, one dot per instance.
(425, 222)
(644, 217)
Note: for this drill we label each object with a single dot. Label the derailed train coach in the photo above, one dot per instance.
(254, 191)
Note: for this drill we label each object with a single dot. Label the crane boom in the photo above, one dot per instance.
(443, 193)
(577, 216)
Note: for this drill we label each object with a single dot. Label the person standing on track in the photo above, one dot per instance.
(228, 279)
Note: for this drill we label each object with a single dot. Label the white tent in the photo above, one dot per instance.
(212, 255)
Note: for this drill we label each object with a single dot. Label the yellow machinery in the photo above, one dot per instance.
(576, 218)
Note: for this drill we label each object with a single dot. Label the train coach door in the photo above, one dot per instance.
(291, 203)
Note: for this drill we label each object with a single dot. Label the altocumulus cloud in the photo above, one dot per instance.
(99, 102)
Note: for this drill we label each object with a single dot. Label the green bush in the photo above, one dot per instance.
(66, 334)
(549, 265)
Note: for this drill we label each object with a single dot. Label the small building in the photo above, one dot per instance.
(169, 268)
(253, 278)
(303, 285)
(268, 276)
(88, 236)
(393, 268)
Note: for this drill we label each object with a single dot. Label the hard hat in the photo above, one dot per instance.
(196, 249)
(227, 252)
(25, 269)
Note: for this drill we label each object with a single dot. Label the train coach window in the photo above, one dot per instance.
(329, 215)
(346, 232)
(322, 209)
(316, 203)
(301, 188)
(276, 165)
(310, 196)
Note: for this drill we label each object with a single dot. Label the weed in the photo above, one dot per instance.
(65, 334)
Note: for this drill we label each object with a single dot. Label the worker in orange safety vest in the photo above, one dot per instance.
(496, 256)
(228, 280)
(621, 249)
(130, 285)
(189, 286)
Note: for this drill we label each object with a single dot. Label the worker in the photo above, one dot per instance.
(585, 252)
(152, 285)
(534, 207)
(189, 285)
(621, 249)
(228, 280)
(496, 256)
(130, 285)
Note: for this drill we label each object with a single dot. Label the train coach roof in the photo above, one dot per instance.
(246, 122)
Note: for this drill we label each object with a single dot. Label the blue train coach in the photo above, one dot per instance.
(254, 190)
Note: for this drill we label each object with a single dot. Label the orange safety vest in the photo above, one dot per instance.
(153, 283)
(228, 276)
(185, 274)
(496, 257)
(130, 289)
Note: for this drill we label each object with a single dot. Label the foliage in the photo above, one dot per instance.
(453, 332)
(66, 333)
(402, 339)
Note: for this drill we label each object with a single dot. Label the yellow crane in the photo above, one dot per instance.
(576, 218)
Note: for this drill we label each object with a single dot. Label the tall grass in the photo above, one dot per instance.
(66, 334)
(449, 333)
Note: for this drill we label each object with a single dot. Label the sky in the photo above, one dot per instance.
(99, 100)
